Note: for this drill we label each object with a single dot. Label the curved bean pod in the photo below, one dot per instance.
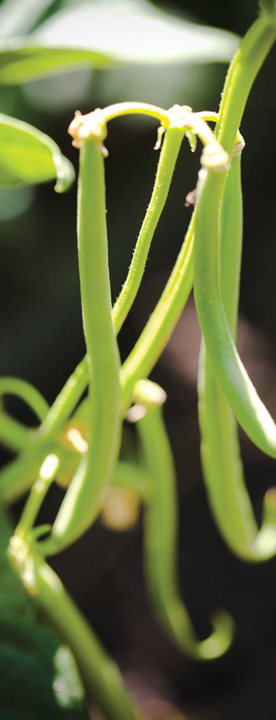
(220, 452)
(160, 538)
(225, 361)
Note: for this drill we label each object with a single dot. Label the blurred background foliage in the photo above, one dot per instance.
(42, 341)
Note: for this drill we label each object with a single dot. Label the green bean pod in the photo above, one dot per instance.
(225, 361)
(160, 539)
(220, 452)
(82, 500)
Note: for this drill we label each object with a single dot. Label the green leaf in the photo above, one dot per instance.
(104, 32)
(25, 59)
(28, 156)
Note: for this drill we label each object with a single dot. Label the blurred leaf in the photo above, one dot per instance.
(24, 59)
(104, 32)
(28, 156)
(18, 18)
(38, 676)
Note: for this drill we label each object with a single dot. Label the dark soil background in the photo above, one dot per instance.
(42, 341)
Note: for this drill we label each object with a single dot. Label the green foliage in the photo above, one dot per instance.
(101, 35)
(29, 157)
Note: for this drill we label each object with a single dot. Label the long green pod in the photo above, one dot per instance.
(225, 361)
(226, 364)
(224, 477)
(219, 447)
(160, 538)
(220, 451)
(82, 499)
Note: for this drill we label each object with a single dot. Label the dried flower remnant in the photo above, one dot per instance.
(90, 125)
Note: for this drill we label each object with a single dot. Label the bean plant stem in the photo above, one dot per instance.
(169, 153)
(101, 677)
(162, 321)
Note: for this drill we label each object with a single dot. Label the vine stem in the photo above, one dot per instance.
(101, 677)
(162, 321)
(169, 153)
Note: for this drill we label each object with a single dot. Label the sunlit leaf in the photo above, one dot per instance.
(26, 59)
(104, 32)
(28, 156)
